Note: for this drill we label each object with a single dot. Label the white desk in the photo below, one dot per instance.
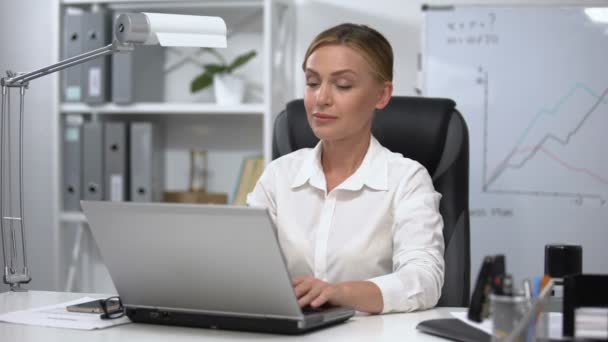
(392, 327)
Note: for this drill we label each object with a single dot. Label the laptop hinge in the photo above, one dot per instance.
(216, 313)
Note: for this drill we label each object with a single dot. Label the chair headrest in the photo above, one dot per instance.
(413, 126)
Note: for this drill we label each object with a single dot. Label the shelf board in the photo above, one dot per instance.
(134, 4)
(163, 108)
(72, 216)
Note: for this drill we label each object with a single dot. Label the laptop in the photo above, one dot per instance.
(210, 266)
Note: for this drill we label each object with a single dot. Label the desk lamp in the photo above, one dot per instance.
(129, 29)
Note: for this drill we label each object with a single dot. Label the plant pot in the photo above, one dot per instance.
(229, 89)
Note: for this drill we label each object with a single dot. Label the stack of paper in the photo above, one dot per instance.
(58, 317)
(591, 323)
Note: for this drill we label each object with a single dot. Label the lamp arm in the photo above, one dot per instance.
(8, 219)
(23, 78)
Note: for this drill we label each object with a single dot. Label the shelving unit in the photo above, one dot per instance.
(164, 108)
(229, 133)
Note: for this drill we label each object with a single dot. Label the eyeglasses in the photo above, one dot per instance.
(112, 308)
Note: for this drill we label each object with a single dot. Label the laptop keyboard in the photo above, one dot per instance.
(311, 310)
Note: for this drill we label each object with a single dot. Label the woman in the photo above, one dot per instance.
(359, 225)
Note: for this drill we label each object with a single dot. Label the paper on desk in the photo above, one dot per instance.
(58, 317)
(555, 323)
(485, 325)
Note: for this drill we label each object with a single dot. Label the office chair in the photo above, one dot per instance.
(432, 132)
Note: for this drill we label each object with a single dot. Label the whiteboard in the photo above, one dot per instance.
(532, 84)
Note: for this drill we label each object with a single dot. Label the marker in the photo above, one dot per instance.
(527, 289)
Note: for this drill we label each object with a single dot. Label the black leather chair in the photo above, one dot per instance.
(435, 134)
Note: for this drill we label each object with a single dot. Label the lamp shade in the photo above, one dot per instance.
(170, 30)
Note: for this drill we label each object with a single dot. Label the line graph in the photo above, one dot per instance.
(559, 104)
(563, 163)
(526, 154)
(505, 164)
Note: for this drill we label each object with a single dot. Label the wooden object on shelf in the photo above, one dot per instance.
(250, 173)
(198, 170)
(195, 197)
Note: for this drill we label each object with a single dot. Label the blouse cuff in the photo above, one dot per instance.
(392, 292)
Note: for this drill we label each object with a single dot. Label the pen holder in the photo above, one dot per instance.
(507, 311)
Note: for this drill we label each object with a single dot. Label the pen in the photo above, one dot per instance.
(507, 285)
(528, 296)
(536, 289)
(527, 289)
(544, 282)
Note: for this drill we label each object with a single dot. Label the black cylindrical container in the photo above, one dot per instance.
(562, 260)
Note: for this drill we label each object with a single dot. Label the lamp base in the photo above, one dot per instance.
(16, 280)
(17, 288)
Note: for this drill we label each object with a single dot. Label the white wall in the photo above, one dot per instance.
(396, 19)
(399, 20)
(28, 31)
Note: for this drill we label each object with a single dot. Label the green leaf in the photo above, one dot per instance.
(205, 79)
(242, 59)
(215, 68)
(201, 81)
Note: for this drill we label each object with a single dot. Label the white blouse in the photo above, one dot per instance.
(382, 224)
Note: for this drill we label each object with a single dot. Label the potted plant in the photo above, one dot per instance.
(229, 89)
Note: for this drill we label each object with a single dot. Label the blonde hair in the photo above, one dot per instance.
(371, 44)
